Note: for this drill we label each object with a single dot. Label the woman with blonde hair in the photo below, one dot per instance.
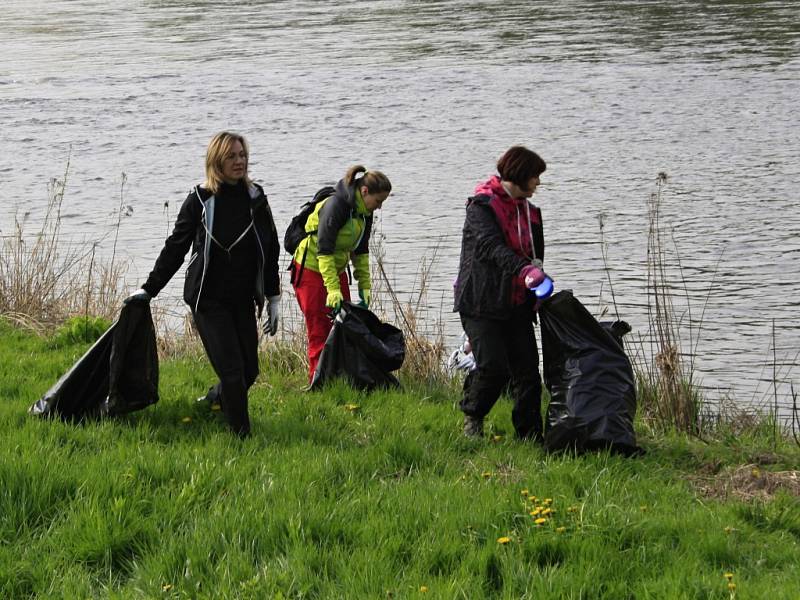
(338, 232)
(232, 272)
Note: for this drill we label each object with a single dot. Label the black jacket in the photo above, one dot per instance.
(335, 213)
(488, 265)
(196, 216)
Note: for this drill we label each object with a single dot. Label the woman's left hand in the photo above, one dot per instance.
(270, 325)
(365, 296)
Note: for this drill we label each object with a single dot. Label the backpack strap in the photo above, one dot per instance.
(295, 273)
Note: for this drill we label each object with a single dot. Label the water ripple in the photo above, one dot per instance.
(610, 93)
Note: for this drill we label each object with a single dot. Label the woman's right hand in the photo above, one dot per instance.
(140, 295)
(531, 276)
(334, 300)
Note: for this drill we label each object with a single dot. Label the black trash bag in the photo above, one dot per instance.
(117, 375)
(133, 375)
(589, 377)
(362, 349)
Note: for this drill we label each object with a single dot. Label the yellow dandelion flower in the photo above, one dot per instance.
(186, 420)
(166, 587)
(728, 576)
(423, 589)
(532, 498)
(486, 474)
(540, 520)
(534, 512)
(503, 540)
(523, 492)
(561, 529)
(572, 509)
(732, 586)
(351, 407)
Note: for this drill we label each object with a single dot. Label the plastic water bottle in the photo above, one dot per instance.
(544, 289)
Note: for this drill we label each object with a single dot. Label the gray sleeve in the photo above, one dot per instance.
(332, 217)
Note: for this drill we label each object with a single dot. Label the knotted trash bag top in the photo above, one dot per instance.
(362, 349)
(589, 377)
(117, 375)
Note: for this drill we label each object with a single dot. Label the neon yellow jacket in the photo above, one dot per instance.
(340, 227)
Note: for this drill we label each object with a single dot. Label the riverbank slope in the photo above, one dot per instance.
(340, 494)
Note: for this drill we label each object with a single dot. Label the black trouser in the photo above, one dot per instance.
(230, 336)
(505, 353)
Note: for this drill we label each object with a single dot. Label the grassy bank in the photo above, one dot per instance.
(340, 494)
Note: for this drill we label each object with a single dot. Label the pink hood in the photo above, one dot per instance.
(492, 187)
(510, 215)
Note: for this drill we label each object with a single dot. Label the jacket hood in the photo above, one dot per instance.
(493, 187)
(257, 196)
(254, 190)
(351, 196)
(345, 192)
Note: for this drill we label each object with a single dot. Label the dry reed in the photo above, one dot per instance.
(44, 280)
(795, 418)
(675, 401)
(667, 395)
(425, 354)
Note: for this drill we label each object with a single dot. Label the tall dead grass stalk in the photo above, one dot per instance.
(425, 354)
(41, 275)
(795, 417)
(673, 399)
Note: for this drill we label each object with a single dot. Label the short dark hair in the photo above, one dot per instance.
(519, 165)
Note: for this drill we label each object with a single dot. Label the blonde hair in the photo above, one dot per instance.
(219, 146)
(375, 181)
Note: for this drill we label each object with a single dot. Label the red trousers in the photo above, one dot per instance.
(311, 295)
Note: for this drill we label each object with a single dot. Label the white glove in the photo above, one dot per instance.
(461, 361)
(270, 325)
(139, 295)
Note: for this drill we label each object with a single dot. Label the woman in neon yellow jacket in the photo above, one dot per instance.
(338, 233)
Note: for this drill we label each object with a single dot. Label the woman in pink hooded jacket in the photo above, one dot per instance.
(502, 250)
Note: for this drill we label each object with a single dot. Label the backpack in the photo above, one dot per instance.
(296, 232)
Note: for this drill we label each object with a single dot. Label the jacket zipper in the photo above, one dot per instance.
(260, 274)
(205, 248)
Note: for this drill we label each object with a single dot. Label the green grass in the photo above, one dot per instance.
(341, 494)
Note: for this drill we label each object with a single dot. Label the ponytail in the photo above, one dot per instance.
(350, 176)
(375, 181)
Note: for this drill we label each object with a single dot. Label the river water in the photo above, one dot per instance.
(609, 93)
